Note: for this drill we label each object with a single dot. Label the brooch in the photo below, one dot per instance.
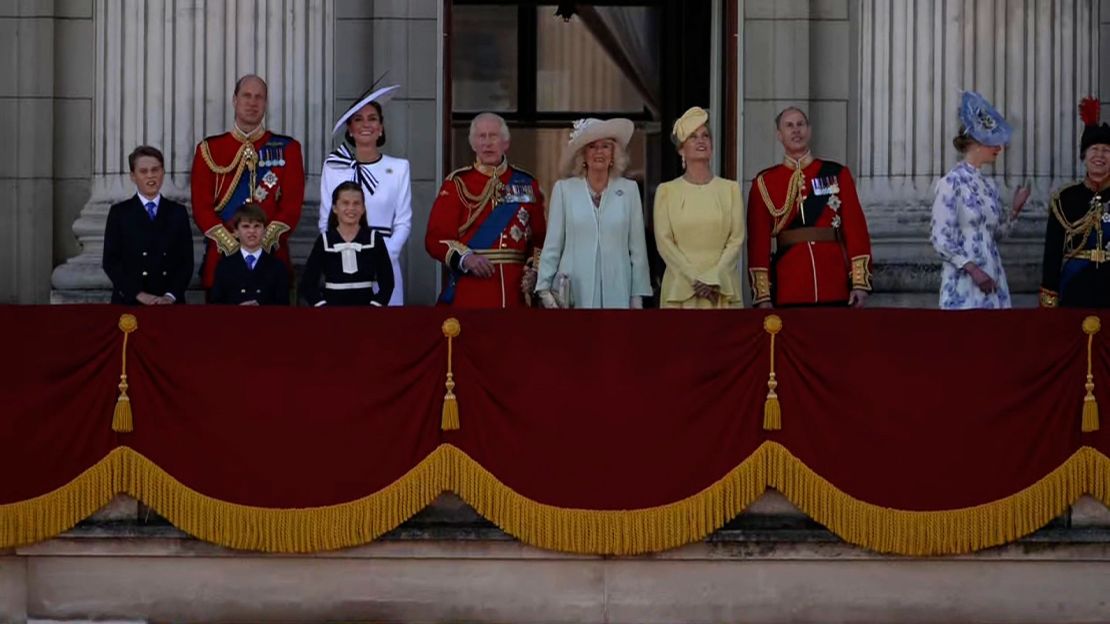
(270, 179)
(260, 194)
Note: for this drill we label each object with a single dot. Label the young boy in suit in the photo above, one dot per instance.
(251, 276)
(148, 242)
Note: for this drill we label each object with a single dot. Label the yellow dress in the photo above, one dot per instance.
(699, 230)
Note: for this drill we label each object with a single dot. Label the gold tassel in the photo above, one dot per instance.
(450, 420)
(772, 411)
(1091, 326)
(122, 421)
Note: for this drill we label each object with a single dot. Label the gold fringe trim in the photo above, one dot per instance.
(618, 532)
(293, 530)
(122, 421)
(42, 517)
(946, 532)
(1089, 423)
(450, 419)
(244, 527)
(615, 532)
(772, 411)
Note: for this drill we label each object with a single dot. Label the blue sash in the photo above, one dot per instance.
(1075, 266)
(489, 232)
(271, 154)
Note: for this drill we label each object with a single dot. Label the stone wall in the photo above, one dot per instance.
(771, 564)
(45, 114)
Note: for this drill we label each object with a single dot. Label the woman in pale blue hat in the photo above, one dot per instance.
(968, 215)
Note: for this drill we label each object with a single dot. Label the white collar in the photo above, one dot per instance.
(255, 254)
(144, 200)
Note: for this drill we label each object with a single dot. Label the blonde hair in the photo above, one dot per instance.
(575, 166)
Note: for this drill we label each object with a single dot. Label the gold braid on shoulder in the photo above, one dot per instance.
(793, 191)
(245, 158)
(216, 169)
(1076, 232)
(474, 203)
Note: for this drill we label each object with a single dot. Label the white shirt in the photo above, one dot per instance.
(157, 199)
(256, 254)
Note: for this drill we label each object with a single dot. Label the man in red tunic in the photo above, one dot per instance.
(487, 225)
(249, 165)
(807, 237)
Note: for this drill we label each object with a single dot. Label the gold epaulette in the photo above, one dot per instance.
(460, 170)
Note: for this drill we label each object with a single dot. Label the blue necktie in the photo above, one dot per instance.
(151, 209)
(250, 262)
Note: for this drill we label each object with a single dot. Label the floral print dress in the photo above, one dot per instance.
(968, 221)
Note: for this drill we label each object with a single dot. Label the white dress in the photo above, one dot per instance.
(968, 221)
(602, 250)
(388, 192)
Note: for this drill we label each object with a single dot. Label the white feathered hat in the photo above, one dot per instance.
(586, 131)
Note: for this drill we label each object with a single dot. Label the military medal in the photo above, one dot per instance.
(270, 179)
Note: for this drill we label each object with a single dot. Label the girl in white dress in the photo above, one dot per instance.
(384, 179)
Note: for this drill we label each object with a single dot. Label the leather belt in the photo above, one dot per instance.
(806, 235)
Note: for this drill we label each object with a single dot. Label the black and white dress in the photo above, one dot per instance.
(387, 190)
(356, 273)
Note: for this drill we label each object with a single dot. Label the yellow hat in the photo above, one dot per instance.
(690, 121)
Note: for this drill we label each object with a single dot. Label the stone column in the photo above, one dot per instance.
(1034, 59)
(27, 166)
(164, 76)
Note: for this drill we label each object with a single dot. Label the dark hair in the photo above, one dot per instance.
(381, 118)
(778, 118)
(251, 213)
(243, 79)
(962, 142)
(145, 150)
(333, 220)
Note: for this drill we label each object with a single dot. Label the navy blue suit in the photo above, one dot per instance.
(148, 255)
(267, 283)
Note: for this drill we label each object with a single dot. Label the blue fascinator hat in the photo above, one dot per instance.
(982, 122)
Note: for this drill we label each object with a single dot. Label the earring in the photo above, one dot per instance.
(683, 162)
(610, 164)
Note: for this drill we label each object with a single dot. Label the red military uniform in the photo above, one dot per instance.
(233, 169)
(494, 212)
(815, 219)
